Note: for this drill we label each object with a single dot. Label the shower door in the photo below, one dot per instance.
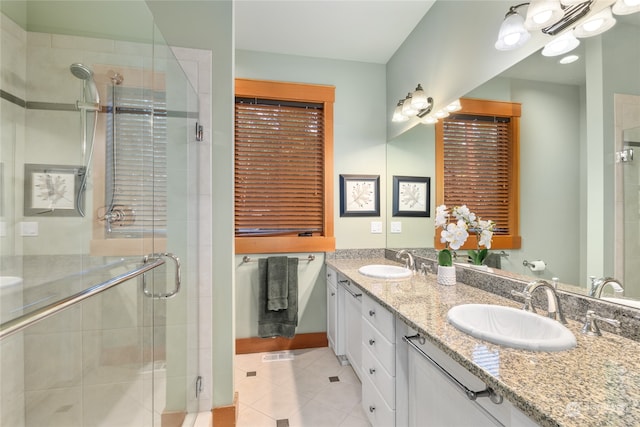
(71, 217)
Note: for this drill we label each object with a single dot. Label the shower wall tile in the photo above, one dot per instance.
(38, 40)
(49, 78)
(118, 404)
(133, 49)
(57, 407)
(12, 385)
(52, 360)
(13, 44)
(60, 41)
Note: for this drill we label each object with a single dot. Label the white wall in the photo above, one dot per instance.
(359, 148)
(359, 123)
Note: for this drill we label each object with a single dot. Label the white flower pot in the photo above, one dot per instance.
(446, 275)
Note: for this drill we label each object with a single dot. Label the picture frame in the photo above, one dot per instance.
(411, 196)
(359, 195)
(51, 190)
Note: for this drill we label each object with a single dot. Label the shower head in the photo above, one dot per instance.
(84, 73)
(81, 71)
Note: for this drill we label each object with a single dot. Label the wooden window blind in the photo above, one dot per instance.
(279, 161)
(477, 154)
(136, 164)
(283, 167)
(477, 172)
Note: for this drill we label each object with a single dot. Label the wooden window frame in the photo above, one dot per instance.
(296, 92)
(496, 109)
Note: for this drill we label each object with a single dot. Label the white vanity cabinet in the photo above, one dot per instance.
(349, 303)
(378, 363)
(332, 309)
(434, 398)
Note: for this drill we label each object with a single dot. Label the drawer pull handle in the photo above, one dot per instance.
(372, 408)
(333, 293)
(372, 371)
(372, 341)
(372, 313)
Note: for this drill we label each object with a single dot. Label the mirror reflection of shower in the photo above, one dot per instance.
(90, 103)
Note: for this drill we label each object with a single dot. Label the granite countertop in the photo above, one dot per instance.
(595, 384)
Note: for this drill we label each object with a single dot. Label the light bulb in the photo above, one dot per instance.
(419, 99)
(407, 108)
(561, 45)
(626, 7)
(512, 33)
(454, 106)
(542, 13)
(397, 113)
(596, 24)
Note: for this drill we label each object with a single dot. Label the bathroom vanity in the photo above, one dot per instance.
(416, 368)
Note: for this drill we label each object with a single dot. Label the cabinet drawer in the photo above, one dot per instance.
(379, 414)
(379, 317)
(379, 376)
(380, 347)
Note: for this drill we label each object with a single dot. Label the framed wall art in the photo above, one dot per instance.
(51, 190)
(359, 195)
(411, 196)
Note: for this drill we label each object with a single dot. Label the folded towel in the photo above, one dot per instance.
(282, 322)
(277, 283)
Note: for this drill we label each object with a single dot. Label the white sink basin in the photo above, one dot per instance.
(511, 327)
(385, 271)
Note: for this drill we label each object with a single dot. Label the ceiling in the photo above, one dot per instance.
(363, 30)
(354, 30)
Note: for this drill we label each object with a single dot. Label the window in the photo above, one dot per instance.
(477, 164)
(283, 167)
(130, 170)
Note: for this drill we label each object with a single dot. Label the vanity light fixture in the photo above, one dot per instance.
(407, 108)
(542, 13)
(561, 45)
(454, 106)
(397, 113)
(626, 7)
(441, 114)
(419, 99)
(568, 59)
(596, 24)
(416, 104)
(429, 119)
(512, 32)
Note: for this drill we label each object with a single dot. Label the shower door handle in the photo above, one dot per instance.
(178, 276)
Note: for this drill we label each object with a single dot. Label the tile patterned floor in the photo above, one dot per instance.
(302, 392)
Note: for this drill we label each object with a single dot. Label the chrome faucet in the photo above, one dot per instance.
(591, 327)
(553, 302)
(598, 285)
(409, 262)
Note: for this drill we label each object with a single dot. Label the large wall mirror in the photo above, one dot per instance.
(579, 188)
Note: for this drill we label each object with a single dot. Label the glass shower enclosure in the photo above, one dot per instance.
(97, 181)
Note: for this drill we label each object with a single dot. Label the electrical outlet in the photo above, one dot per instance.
(29, 229)
(396, 227)
(376, 227)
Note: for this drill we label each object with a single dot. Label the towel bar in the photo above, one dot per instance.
(310, 258)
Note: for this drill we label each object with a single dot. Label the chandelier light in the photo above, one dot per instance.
(626, 7)
(512, 32)
(561, 45)
(542, 13)
(596, 24)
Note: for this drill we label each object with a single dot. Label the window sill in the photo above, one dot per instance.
(284, 244)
